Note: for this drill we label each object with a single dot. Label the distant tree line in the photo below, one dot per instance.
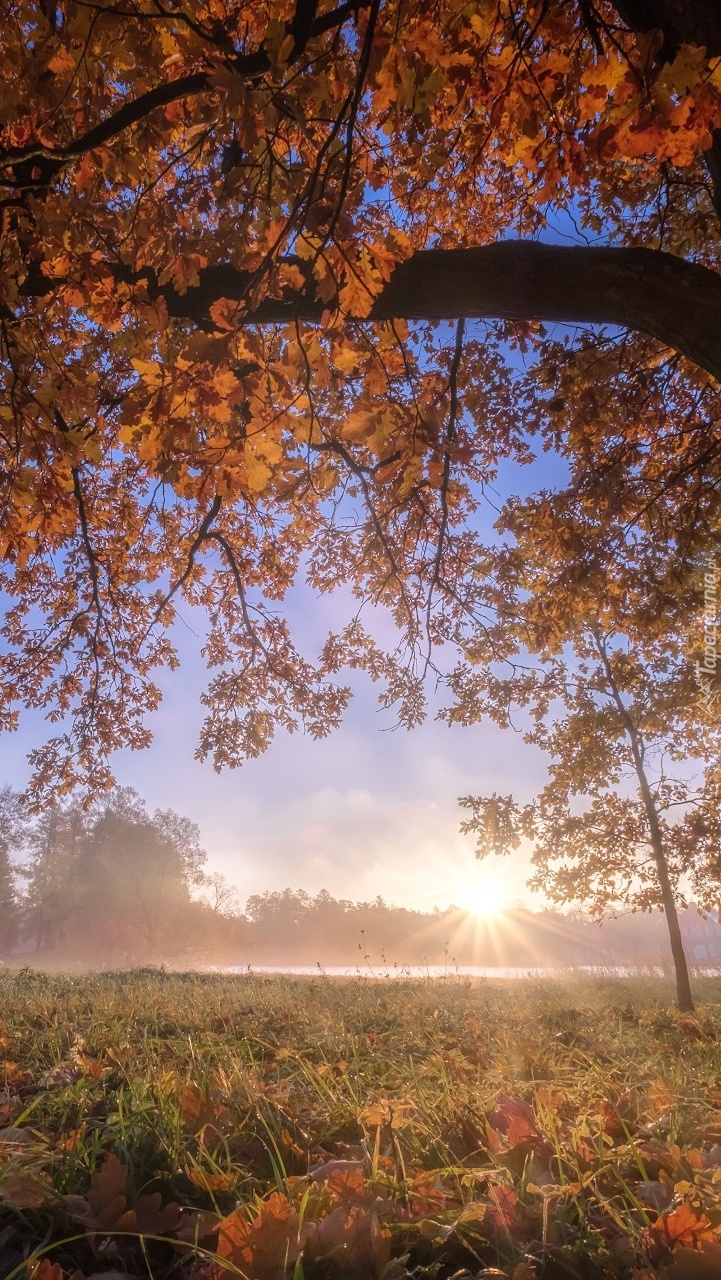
(108, 884)
(112, 885)
(291, 926)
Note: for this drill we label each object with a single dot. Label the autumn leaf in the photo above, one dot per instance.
(263, 1247)
(511, 1123)
(206, 1180)
(362, 282)
(662, 1095)
(62, 62)
(397, 1113)
(343, 1179)
(23, 1189)
(112, 1204)
(351, 1238)
(225, 313)
(683, 1226)
(319, 165)
(47, 1270)
(701, 1263)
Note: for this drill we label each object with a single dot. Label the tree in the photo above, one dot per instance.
(133, 879)
(109, 881)
(631, 811)
(230, 234)
(12, 834)
(53, 843)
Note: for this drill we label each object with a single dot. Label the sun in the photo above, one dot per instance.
(484, 897)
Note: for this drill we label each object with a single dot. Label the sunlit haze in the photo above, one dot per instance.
(368, 811)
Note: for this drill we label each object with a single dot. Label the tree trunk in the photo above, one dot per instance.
(647, 290)
(684, 998)
(683, 984)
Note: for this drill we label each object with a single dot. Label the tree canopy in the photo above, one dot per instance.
(232, 238)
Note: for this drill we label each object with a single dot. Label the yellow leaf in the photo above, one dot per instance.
(225, 313)
(151, 371)
(257, 473)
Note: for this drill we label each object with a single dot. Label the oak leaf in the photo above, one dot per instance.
(111, 1204)
(683, 1226)
(264, 1247)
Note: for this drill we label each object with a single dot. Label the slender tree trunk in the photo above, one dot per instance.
(684, 998)
(683, 984)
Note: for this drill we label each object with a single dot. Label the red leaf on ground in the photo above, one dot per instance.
(512, 1122)
(352, 1239)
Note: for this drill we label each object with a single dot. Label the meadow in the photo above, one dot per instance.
(158, 1125)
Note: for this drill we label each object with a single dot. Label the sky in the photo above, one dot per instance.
(371, 810)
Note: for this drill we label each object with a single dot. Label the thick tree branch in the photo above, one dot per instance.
(680, 21)
(644, 290)
(675, 301)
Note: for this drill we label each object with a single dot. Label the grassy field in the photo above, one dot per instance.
(156, 1125)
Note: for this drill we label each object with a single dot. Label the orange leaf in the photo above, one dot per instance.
(262, 1248)
(682, 1227)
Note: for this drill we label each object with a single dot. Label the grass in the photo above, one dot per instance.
(543, 1129)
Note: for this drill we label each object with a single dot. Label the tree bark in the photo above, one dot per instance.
(684, 998)
(675, 301)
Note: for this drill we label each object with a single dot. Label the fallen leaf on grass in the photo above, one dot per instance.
(196, 1225)
(20, 1189)
(16, 1137)
(111, 1204)
(207, 1181)
(511, 1123)
(78, 1065)
(654, 1193)
(426, 1193)
(695, 1264)
(682, 1227)
(695, 1030)
(662, 1095)
(497, 1216)
(344, 1180)
(12, 1075)
(351, 1238)
(47, 1270)
(263, 1248)
(396, 1113)
(196, 1107)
